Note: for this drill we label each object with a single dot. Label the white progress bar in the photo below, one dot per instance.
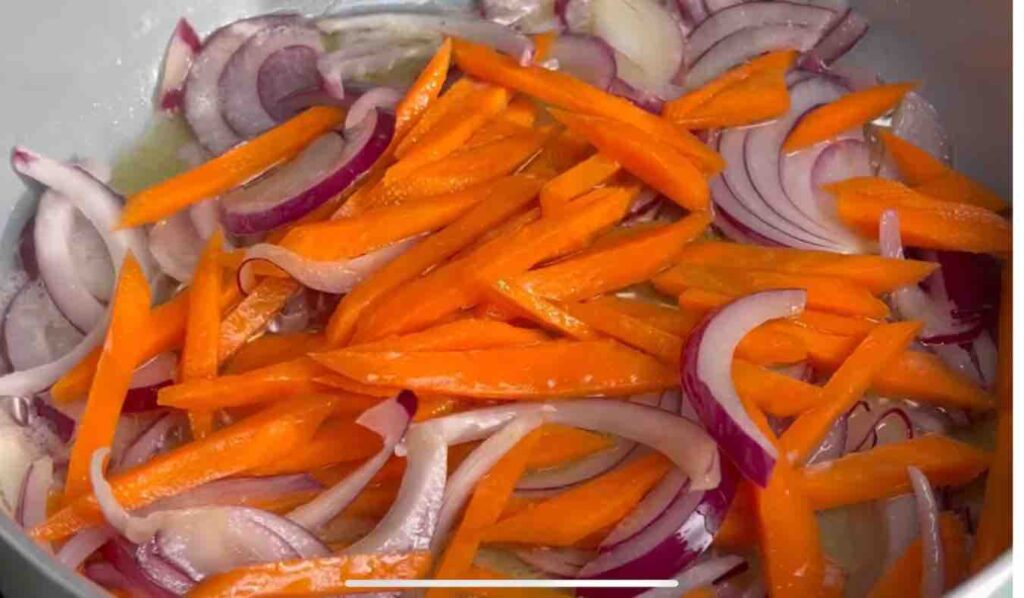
(511, 583)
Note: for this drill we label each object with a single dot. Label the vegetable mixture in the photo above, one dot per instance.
(592, 290)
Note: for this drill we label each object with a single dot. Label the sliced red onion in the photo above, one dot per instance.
(158, 369)
(175, 245)
(933, 577)
(581, 470)
(360, 61)
(576, 15)
(727, 225)
(405, 25)
(706, 372)
(586, 57)
(559, 562)
(527, 16)
(701, 575)
(324, 169)
(844, 159)
(237, 491)
(683, 442)
(746, 44)
(381, 99)
(390, 419)
(105, 575)
(647, 510)
(35, 491)
(693, 12)
(205, 217)
(840, 40)
(647, 39)
(181, 50)
(272, 64)
(464, 479)
(410, 522)
(35, 331)
(144, 576)
(81, 545)
(202, 103)
(642, 98)
(715, 6)
(152, 441)
(899, 518)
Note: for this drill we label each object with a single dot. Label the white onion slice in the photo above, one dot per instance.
(581, 470)
(697, 576)
(35, 331)
(647, 510)
(560, 562)
(181, 51)
(747, 15)
(382, 99)
(586, 57)
(746, 44)
(175, 245)
(647, 39)
(933, 578)
(527, 16)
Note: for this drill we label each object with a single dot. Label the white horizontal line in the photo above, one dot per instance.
(511, 583)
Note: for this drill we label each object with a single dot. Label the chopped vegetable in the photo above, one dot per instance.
(903, 577)
(541, 311)
(423, 93)
(274, 382)
(579, 179)
(199, 353)
(460, 335)
(849, 111)
(253, 314)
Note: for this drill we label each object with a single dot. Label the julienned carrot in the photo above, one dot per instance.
(774, 393)
(849, 111)
(348, 237)
(934, 178)
(451, 99)
(560, 152)
(325, 576)
(274, 348)
(199, 359)
(253, 314)
(541, 311)
(835, 324)
(738, 531)
(431, 406)
(507, 123)
(460, 284)
(904, 575)
(575, 514)
(507, 228)
(118, 360)
(274, 382)
(846, 386)
(669, 319)
(504, 197)
(877, 274)
(251, 442)
(632, 331)
(579, 179)
(631, 262)
(232, 168)
(343, 384)
(823, 292)
(686, 103)
(483, 510)
(521, 110)
(459, 335)
(881, 472)
(423, 93)
(548, 370)
(569, 93)
(559, 445)
(924, 221)
(661, 166)
(338, 440)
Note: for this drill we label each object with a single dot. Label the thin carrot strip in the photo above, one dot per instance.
(541, 311)
(509, 227)
(579, 179)
(232, 168)
(738, 531)
(688, 102)
(570, 93)
(577, 513)
(483, 510)
(616, 267)
(661, 166)
(253, 441)
(846, 386)
(338, 440)
(120, 357)
(903, 577)
(324, 576)
(450, 99)
(274, 382)
(958, 188)
(521, 110)
(774, 393)
(253, 314)
(199, 359)
(669, 319)
(547, 370)
(561, 151)
(459, 335)
(423, 93)
(274, 348)
(875, 273)
(559, 445)
(914, 164)
(881, 472)
(851, 110)
(504, 198)
(631, 331)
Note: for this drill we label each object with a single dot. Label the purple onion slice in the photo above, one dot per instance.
(745, 44)
(586, 57)
(751, 15)
(35, 331)
(181, 51)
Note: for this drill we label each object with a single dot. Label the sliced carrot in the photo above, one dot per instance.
(338, 440)
(274, 348)
(774, 393)
(117, 363)
(877, 274)
(881, 472)
(251, 442)
(834, 324)
(846, 386)
(687, 103)
(274, 382)
(662, 167)
(324, 576)
(504, 198)
(521, 111)
(424, 91)
(431, 406)
(570, 516)
(542, 311)
(849, 111)
(559, 445)
(569, 93)
(579, 179)
(509, 227)
(903, 577)
(253, 314)
(634, 332)
(483, 510)
(199, 359)
(738, 531)
(663, 317)
(924, 221)
(451, 99)
(561, 151)
(823, 292)
(232, 168)
(930, 176)
(459, 335)
(547, 370)
(351, 386)
(615, 267)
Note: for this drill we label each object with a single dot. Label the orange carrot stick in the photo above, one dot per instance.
(846, 386)
(459, 335)
(666, 318)
(547, 370)
(660, 166)
(903, 577)
(958, 188)
(253, 314)
(877, 274)
(232, 168)
(325, 576)
(915, 165)
(423, 93)
(637, 259)
(687, 103)
(338, 440)
(559, 445)
(881, 472)
(561, 151)
(450, 100)
(631, 331)
(570, 93)
(738, 531)
(274, 348)
(851, 110)
(274, 382)
(541, 311)
(251, 442)
(774, 393)
(570, 516)
(120, 357)
(579, 179)
(199, 358)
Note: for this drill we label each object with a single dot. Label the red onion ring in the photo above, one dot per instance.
(155, 439)
(382, 99)
(181, 50)
(581, 470)
(836, 43)
(81, 545)
(746, 44)
(700, 575)
(142, 576)
(35, 331)
(747, 15)
(586, 57)
(175, 245)
(656, 502)
(559, 562)
(933, 578)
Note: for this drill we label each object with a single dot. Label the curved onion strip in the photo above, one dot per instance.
(234, 491)
(836, 43)
(35, 491)
(933, 578)
(81, 546)
(527, 16)
(706, 372)
(367, 59)
(746, 15)
(647, 39)
(650, 508)
(586, 57)
(379, 98)
(746, 44)
(151, 442)
(560, 562)
(581, 470)
(175, 245)
(181, 50)
(700, 575)
(35, 331)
